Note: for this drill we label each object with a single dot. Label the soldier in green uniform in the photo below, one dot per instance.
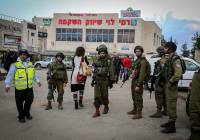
(173, 73)
(103, 78)
(138, 77)
(194, 107)
(158, 74)
(57, 79)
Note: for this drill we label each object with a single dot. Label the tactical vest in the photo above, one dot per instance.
(58, 71)
(23, 78)
(102, 68)
(168, 68)
(137, 65)
(159, 68)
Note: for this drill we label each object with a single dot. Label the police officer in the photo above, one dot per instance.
(173, 73)
(57, 79)
(159, 84)
(22, 75)
(194, 107)
(103, 77)
(138, 77)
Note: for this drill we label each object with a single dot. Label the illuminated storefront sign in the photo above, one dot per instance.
(121, 22)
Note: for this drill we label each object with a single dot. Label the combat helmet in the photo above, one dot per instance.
(102, 48)
(171, 46)
(60, 54)
(160, 49)
(140, 48)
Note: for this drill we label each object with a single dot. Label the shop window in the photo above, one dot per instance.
(126, 36)
(100, 35)
(68, 34)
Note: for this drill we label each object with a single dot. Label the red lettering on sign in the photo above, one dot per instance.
(99, 22)
(122, 22)
(60, 21)
(112, 21)
(129, 22)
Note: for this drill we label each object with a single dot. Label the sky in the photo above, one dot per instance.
(177, 18)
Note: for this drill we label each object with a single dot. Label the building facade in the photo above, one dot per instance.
(67, 31)
(10, 33)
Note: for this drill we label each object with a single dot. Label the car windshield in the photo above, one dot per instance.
(48, 59)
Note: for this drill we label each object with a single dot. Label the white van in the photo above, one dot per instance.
(191, 67)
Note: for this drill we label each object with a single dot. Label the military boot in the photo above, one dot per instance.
(105, 110)
(170, 129)
(164, 112)
(132, 112)
(97, 113)
(48, 106)
(60, 106)
(165, 125)
(138, 115)
(158, 114)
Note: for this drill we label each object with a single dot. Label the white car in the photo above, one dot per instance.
(191, 67)
(45, 63)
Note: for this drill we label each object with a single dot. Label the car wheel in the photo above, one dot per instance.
(38, 66)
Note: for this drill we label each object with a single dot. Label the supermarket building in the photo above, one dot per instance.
(67, 31)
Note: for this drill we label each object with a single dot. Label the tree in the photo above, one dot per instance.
(173, 40)
(185, 51)
(163, 41)
(196, 43)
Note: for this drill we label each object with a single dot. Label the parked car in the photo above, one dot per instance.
(45, 63)
(191, 67)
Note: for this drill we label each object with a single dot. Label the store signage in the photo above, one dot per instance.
(130, 13)
(31, 26)
(98, 22)
(42, 34)
(47, 21)
(135, 13)
(124, 48)
(10, 28)
(11, 40)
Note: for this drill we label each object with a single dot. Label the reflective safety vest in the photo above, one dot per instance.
(23, 78)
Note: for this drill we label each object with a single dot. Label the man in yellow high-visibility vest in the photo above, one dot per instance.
(21, 76)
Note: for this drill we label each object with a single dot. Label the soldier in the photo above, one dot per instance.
(173, 73)
(22, 75)
(103, 77)
(138, 77)
(57, 79)
(158, 74)
(194, 107)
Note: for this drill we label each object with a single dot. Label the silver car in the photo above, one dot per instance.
(45, 63)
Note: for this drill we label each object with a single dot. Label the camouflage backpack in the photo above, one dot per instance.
(183, 65)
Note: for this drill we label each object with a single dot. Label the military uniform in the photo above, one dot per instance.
(103, 77)
(56, 76)
(159, 88)
(139, 72)
(173, 73)
(194, 107)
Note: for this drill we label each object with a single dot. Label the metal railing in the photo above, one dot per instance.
(10, 18)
